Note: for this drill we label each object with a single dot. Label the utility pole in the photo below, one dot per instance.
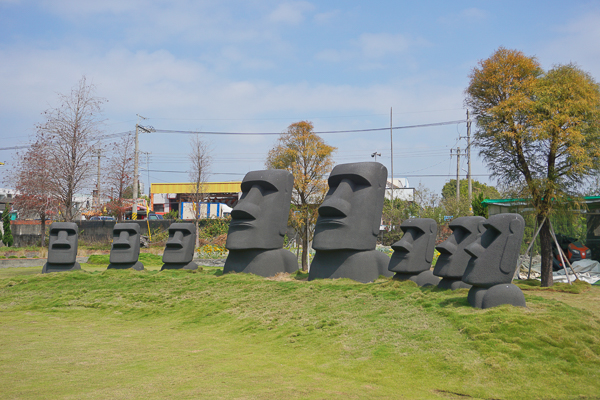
(469, 159)
(392, 166)
(138, 127)
(457, 174)
(375, 155)
(98, 152)
(147, 153)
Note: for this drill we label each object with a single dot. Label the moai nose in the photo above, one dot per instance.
(446, 247)
(403, 245)
(62, 242)
(475, 249)
(177, 241)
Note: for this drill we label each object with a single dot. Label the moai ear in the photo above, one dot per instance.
(431, 242)
(512, 245)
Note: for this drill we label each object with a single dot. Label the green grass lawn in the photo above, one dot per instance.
(184, 335)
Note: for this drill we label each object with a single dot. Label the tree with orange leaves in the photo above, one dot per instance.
(538, 131)
(307, 156)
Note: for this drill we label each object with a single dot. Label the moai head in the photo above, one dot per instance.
(453, 258)
(62, 244)
(126, 243)
(414, 252)
(495, 252)
(181, 243)
(259, 220)
(350, 216)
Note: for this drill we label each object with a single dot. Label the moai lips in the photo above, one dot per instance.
(493, 263)
(62, 248)
(125, 250)
(413, 253)
(258, 225)
(179, 249)
(453, 259)
(348, 224)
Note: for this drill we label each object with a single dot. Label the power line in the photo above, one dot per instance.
(318, 133)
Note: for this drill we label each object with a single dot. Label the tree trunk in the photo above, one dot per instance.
(304, 251)
(546, 252)
(43, 240)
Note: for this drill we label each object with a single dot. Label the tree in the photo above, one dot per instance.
(536, 130)
(463, 207)
(307, 156)
(7, 238)
(69, 133)
(200, 161)
(32, 178)
(120, 176)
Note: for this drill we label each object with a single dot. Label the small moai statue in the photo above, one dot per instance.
(348, 225)
(179, 250)
(413, 253)
(259, 224)
(62, 248)
(493, 263)
(453, 259)
(125, 250)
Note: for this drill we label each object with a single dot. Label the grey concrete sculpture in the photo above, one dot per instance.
(259, 224)
(62, 248)
(413, 253)
(453, 259)
(125, 250)
(494, 261)
(179, 250)
(348, 224)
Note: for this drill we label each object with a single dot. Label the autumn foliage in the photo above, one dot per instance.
(307, 156)
(538, 131)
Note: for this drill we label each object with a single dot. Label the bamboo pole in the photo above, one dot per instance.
(531, 246)
(563, 253)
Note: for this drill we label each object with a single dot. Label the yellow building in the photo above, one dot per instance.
(175, 196)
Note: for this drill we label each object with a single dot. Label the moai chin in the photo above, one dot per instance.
(413, 253)
(62, 248)
(179, 249)
(493, 263)
(259, 223)
(125, 250)
(453, 259)
(348, 224)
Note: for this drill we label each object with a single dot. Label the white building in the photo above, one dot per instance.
(401, 190)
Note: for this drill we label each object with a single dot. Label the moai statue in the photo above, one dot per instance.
(413, 253)
(494, 261)
(258, 225)
(125, 249)
(62, 248)
(348, 224)
(179, 250)
(453, 259)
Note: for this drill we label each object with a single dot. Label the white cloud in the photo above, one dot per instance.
(382, 44)
(577, 42)
(326, 17)
(291, 12)
(468, 15)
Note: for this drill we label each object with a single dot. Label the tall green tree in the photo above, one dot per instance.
(307, 156)
(7, 238)
(536, 130)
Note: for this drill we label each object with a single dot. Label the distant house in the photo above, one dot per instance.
(401, 190)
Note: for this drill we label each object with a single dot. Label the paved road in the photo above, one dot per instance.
(29, 262)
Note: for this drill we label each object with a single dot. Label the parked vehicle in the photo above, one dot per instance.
(102, 218)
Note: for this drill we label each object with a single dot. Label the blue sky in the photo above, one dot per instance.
(260, 65)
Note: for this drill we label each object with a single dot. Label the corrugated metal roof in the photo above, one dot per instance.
(509, 202)
(208, 187)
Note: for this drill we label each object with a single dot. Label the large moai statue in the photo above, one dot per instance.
(413, 253)
(179, 250)
(125, 250)
(259, 223)
(453, 259)
(348, 224)
(62, 248)
(493, 263)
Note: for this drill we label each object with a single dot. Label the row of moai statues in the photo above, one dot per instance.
(125, 249)
(480, 254)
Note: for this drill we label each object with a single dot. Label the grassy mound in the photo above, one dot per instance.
(181, 334)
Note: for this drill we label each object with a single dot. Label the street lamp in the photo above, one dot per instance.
(375, 155)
